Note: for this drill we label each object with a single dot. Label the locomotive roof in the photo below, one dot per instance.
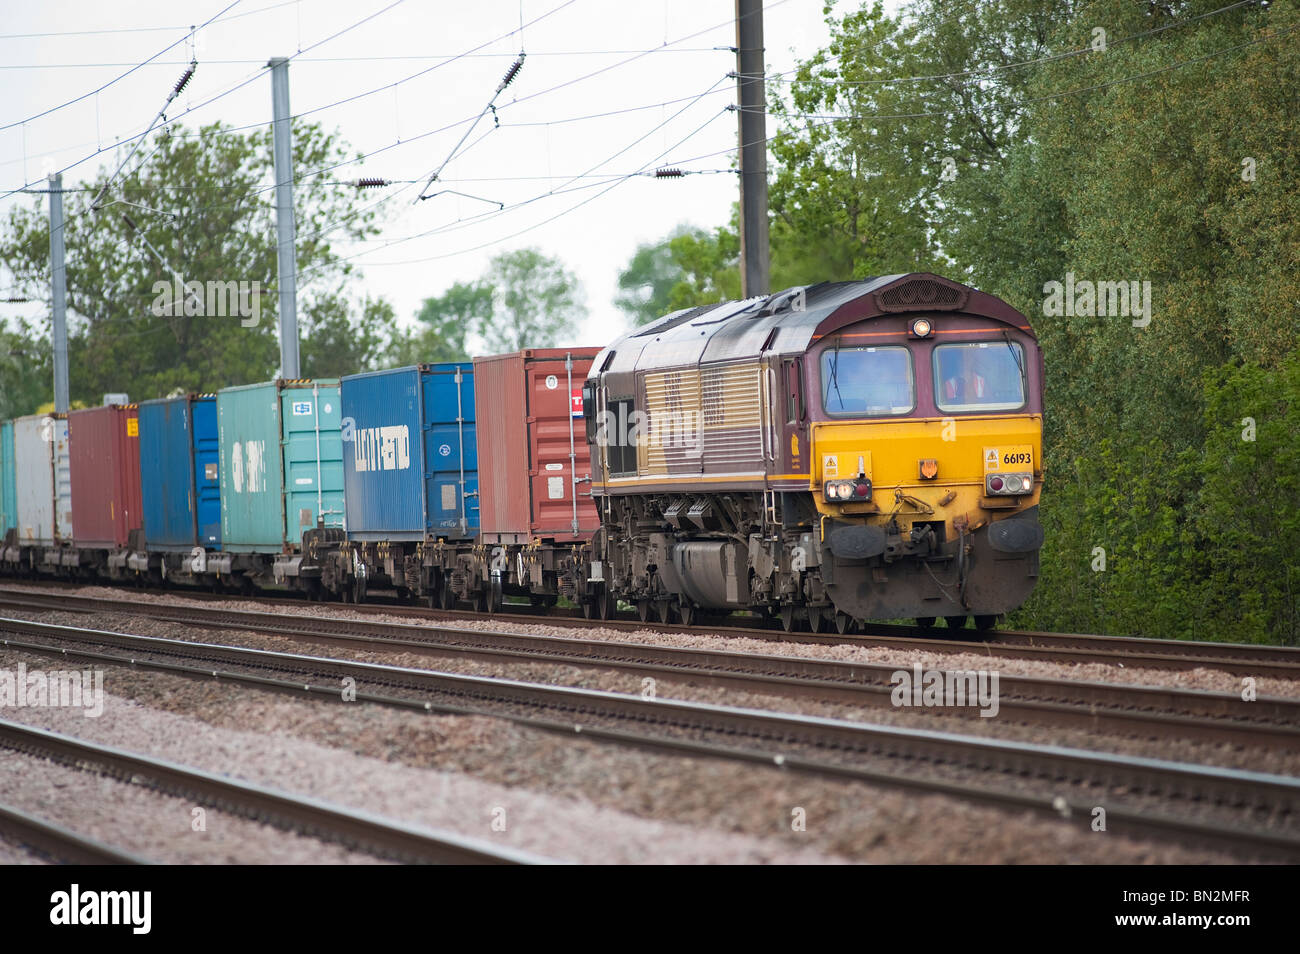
(790, 321)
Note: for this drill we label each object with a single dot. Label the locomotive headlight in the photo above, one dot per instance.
(921, 328)
(1009, 484)
(842, 491)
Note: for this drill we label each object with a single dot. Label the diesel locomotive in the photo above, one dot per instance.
(844, 451)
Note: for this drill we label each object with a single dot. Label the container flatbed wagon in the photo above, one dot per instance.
(410, 476)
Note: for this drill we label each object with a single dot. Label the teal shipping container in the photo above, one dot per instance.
(281, 457)
(8, 491)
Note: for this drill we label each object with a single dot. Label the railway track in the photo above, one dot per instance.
(1253, 813)
(358, 830)
(58, 843)
(1116, 709)
(1240, 659)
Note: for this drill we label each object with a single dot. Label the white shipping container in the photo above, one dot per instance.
(44, 480)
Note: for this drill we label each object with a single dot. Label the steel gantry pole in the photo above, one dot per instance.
(286, 252)
(58, 295)
(752, 99)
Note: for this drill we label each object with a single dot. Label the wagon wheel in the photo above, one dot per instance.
(955, 622)
(843, 623)
(359, 590)
(925, 622)
(643, 610)
(664, 610)
(687, 612)
(446, 595)
(589, 610)
(495, 600)
(608, 604)
(816, 619)
(787, 617)
(984, 624)
(479, 599)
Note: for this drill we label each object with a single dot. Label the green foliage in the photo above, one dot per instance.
(26, 372)
(1128, 163)
(445, 323)
(537, 302)
(646, 285)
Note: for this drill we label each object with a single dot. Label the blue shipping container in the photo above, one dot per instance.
(178, 472)
(410, 458)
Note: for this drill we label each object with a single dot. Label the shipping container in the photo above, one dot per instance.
(281, 463)
(410, 453)
(42, 480)
(8, 498)
(532, 445)
(179, 460)
(104, 444)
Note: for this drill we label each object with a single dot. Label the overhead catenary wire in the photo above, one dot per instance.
(116, 79)
(509, 78)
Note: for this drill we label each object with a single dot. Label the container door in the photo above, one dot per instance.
(556, 425)
(313, 459)
(451, 452)
(203, 473)
(62, 480)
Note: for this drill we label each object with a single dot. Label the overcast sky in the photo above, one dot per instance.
(668, 106)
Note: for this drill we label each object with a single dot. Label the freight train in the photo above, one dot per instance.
(829, 454)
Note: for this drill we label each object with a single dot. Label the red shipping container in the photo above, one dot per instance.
(104, 445)
(531, 437)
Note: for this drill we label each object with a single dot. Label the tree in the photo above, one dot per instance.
(536, 303)
(444, 324)
(195, 208)
(646, 285)
(26, 372)
(334, 343)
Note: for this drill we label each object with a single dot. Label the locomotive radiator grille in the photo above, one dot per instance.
(711, 418)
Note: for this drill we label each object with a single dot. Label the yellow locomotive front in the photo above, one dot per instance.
(926, 464)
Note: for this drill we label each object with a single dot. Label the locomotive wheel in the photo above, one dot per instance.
(955, 622)
(815, 619)
(843, 623)
(643, 610)
(787, 617)
(925, 622)
(687, 613)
